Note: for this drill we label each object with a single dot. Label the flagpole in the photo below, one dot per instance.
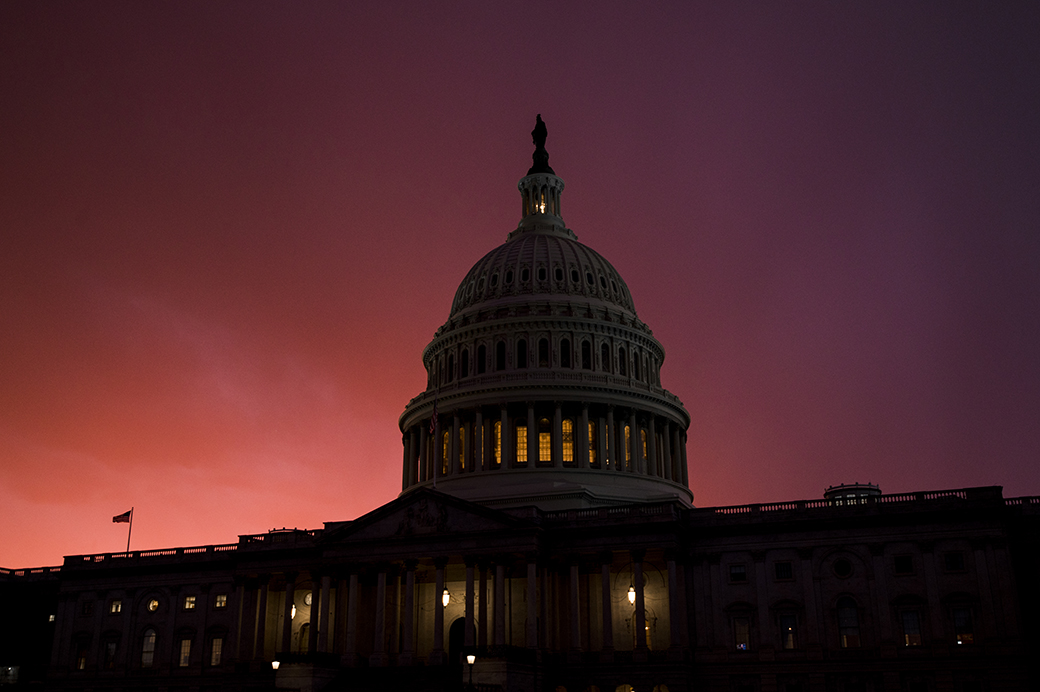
(129, 531)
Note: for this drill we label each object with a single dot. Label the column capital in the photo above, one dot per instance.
(638, 554)
(440, 562)
(606, 557)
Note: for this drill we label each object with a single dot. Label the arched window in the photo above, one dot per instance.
(500, 355)
(848, 623)
(148, 649)
(481, 359)
(622, 362)
(545, 440)
(464, 363)
(628, 448)
(445, 451)
(525, 275)
(592, 444)
(462, 447)
(604, 353)
(565, 353)
(568, 441)
(636, 370)
(521, 353)
(497, 442)
(543, 353)
(521, 443)
(642, 435)
(451, 368)
(586, 355)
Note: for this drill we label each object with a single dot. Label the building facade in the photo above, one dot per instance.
(546, 527)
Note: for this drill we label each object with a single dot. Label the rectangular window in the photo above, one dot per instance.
(954, 562)
(592, 443)
(110, 655)
(462, 447)
(788, 627)
(185, 656)
(545, 445)
(784, 571)
(221, 601)
(737, 574)
(911, 628)
(962, 626)
(115, 607)
(81, 655)
(521, 444)
(742, 633)
(568, 441)
(189, 603)
(215, 650)
(904, 564)
(498, 443)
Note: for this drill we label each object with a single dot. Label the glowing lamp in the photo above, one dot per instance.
(632, 595)
(471, 659)
(275, 664)
(445, 597)
(292, 614)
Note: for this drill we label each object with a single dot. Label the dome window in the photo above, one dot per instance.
(613, 285)
(521, 353)
(586, 355)
(464, 363)
(565, 353)
(542, 274)
(575, 277)
(494, 280)
(622, 360)
(451, 368)
(604, 354)
(500, 355)
(480, 285)
(602, 282)
(558, 274)
(509, 276)
(525, 275)
(589, 279)
(543, 353)
(481, 359)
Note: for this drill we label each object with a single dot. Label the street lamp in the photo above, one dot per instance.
(445, 597)
(275, 664)
(632, 595)
(471, 659)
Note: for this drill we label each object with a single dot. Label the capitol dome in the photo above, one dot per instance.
(543, 386)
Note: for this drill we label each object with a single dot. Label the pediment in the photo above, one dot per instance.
(423, 513)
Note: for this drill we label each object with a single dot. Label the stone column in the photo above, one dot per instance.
(532, 602)
(653, 466)
(482, 614)
(607, 605)
(379, 657)
(479, 443)
(635, 443)
(610, 450)
(261, 619)
(455, 463)
(314, 621)
(557, 437)
(931, 583)
(812, 620)
(323, 618)
(408, 616)
(290, 588)
(765, 628)
(438, 450)
(351, 652)
(424, 448)
(640, 614)
(532, 437)
(437, 655)
(500, 603)
(601, 442)
(575, 605)
(468, 641)
(583, 439)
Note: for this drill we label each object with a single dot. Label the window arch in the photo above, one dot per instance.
(586, 355)
(604, 353)
(565, 353)
(622, 362)
(848, 623)
(500, 355)
(568, 441)
(543, 353)
(464, 363)
(545, 440)
(450, 374)
(521, 353)
(481, 359)
(636, 370)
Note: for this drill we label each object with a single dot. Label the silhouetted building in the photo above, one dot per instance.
(546, 527)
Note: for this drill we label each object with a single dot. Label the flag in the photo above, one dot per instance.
(123, 518)
(433, 419)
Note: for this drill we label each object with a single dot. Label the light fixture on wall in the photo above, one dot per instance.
(292, 615)
(275, 664)
(445, 597)
(632, 595)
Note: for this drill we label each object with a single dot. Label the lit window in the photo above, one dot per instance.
(788, 625)
(148, 648)
(521, 443)
(185, 655)
(642, 436)
(215, 650)
(592, 443)
(737, 574)
(221, 601)
(545, 440)
(189, 603)
(115, 607)
(445, 451)
(82, 647)
(742, 633)
(962, 626)
(568, 441)
(462, 447)
(783, 570)
(848, 623)
(911, 628)
(628, 448)
(498, 443)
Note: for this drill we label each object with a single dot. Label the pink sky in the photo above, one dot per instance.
(227, 230)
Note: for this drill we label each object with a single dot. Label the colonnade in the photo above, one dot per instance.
(548, 435)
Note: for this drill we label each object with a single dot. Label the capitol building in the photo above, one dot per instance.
(546, 538)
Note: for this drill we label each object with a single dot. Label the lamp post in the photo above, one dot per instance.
(471, 659)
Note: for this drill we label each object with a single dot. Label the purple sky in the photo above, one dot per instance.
(229, 229)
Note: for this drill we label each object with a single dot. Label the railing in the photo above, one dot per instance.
(99, 558)
(962, 494)
(1027, 500)
(610, 512)
(28, 571)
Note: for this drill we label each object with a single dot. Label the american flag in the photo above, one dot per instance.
(123, 518)
(433, 418)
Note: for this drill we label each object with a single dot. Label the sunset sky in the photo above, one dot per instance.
(228, 229)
